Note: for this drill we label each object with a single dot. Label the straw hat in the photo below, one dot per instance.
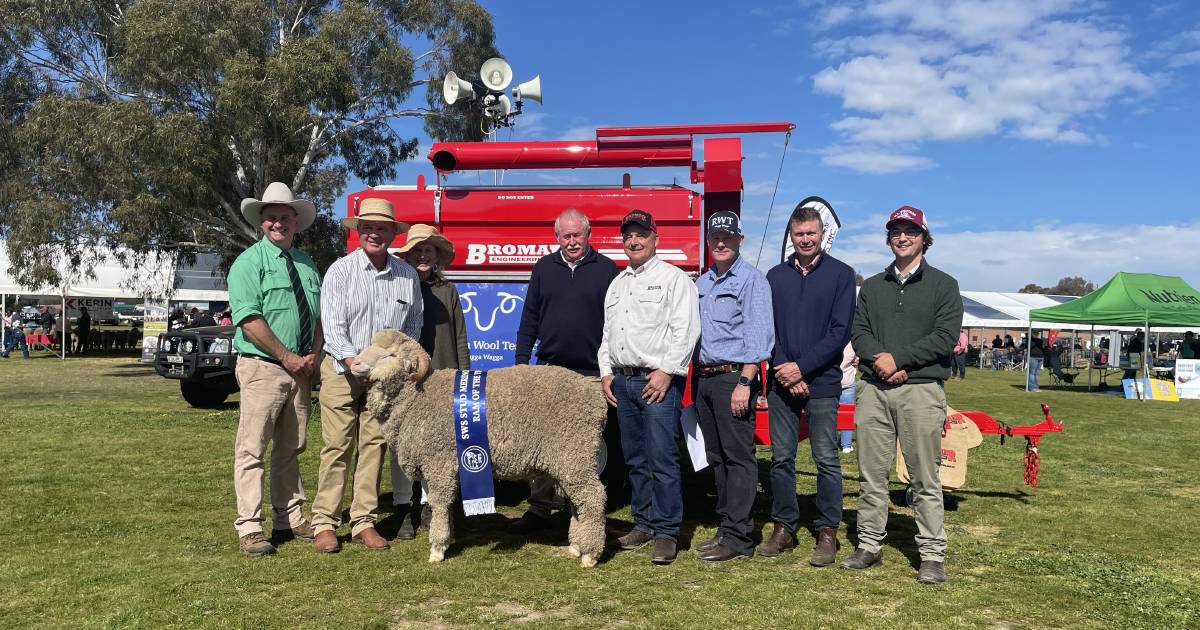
(421, 232)
(374, 209)
(279, 193)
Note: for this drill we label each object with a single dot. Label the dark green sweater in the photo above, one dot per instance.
(917, 322)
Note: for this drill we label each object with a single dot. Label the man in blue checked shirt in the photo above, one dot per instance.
(736, 334)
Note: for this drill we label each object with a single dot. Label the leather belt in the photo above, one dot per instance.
(720, 368)
(259, 357)
(631, 371)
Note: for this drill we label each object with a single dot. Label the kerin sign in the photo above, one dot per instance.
(98, 308)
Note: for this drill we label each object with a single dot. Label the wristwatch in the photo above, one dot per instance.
(744, 380)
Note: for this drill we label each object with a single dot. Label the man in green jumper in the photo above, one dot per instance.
(905, 327)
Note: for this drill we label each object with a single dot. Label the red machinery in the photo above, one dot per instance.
(499, 232)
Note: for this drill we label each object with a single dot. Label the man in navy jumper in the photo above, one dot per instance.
(564, 311)
(813, 299)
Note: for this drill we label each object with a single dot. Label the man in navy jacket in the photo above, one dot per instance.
(564, 311)
(813, 300)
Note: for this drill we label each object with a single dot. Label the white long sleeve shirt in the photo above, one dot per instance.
(651, 319)
(358, 301)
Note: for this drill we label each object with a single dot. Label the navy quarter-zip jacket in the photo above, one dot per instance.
(564, 309)
(813, 315)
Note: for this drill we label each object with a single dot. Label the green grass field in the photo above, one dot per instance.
(119, 506)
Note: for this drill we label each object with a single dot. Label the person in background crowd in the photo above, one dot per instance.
(274, 293)
(15, 335)
(1187, 349)
(958, 369)
(736, 334)
(443, 336)
(1037, 355)
(905, 355)
(651, 325)
(226, 318)
(997, 343)
(849, 390)
(46, 321)
(1136, 350)
(812, 294)
(564, 314)
(83, 330)
(364, 292)
(203, 318)
(177, 321)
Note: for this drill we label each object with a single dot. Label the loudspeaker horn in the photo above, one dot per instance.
(454, 88)
(531, 90)
(496, 74)
(500, 108)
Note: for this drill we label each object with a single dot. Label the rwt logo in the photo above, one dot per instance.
(507, 253)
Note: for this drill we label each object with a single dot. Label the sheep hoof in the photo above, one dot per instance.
(588, 561)
(574, 551)
(437, 553)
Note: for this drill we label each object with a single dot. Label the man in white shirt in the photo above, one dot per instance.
(651, 325)
(363, 293)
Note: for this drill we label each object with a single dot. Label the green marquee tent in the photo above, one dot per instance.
(1130, 299)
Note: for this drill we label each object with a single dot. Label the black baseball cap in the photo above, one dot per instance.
(725, 221)
(640, 218)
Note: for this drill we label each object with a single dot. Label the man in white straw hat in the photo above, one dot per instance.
(364, 292)
(274, 294)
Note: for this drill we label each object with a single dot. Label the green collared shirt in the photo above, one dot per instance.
(259, 285)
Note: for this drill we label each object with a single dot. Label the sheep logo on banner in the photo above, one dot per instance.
(474, 459)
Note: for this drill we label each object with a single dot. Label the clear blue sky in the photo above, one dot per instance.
(1043, 138)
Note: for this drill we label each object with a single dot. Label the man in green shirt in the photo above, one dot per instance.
(274, 293)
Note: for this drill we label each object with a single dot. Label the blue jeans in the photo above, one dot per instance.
(1035, 365)
(784, 417)
(12, 340)
(651, 454)
(848, 395)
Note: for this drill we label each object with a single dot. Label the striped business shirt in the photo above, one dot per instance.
(358, 301)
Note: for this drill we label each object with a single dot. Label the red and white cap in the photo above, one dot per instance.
(910, 214)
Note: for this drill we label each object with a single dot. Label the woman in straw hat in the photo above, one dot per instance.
(443, 335)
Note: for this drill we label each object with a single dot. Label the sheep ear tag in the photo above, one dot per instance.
(471, 437)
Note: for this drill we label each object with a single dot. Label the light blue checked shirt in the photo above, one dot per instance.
(736, 318)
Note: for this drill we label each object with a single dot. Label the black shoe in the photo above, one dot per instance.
(721, 553)
(408, 522)
(931, 572)
(863, 559)
(528, 523)
(635, 539)
(664, 551)
(709, 544)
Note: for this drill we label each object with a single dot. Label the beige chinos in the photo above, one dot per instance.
(344, 423)
(274, 408)
(912, 414)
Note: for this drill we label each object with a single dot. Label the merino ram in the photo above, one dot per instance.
(541, 420)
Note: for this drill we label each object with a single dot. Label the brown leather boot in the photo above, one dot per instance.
(780, 542)
(370, 539)
(827, 547)
(327, 542)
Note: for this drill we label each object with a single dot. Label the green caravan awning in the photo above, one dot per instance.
(1131, 299)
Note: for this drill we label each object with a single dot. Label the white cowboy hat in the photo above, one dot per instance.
(278, 192)
(375, 209)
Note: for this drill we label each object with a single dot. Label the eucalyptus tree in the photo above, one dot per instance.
(139, 125)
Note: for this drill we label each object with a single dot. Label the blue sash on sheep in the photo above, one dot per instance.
(470, 435)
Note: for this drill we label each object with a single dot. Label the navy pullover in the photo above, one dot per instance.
(564, 309)
(813, 315)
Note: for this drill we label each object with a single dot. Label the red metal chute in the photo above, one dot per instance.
(467, 156)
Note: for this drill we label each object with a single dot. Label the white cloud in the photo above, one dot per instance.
(875, 161)
(953, 70)
(1006, 260)
(760, 188)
